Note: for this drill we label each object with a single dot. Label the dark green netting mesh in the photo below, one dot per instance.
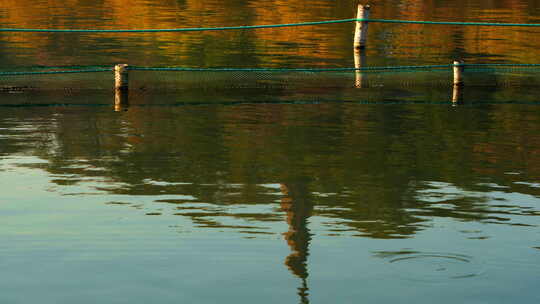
(154, 86)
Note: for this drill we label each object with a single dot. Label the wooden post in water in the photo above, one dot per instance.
(360, 33)
(121, 87)
(458, 72)
(359, 62)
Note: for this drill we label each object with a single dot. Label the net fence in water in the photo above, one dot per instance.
(300, 83)
(174, 78)
(202, 85)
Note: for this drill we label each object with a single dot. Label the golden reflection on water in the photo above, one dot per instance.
(316, 46)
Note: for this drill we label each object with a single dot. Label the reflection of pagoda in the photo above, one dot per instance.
(298, 208)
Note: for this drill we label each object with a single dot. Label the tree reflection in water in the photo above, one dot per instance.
(298, 207)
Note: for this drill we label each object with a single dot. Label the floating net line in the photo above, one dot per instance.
(93, 85)
(25, 73)
(46, 70)
(42, 78)
(233, 85)
(253, 77)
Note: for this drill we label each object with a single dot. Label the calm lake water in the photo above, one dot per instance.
(269, 187)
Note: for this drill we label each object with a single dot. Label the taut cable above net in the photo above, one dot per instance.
(265, 26)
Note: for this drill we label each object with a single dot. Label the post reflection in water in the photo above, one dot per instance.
(360, 61)
(121, 100)
(457, 95)
(298, 206)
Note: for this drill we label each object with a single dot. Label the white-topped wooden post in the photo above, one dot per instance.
(458, 72)
(360, 33)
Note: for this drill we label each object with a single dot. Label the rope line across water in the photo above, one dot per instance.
(193, 29)
(516, 65)
(274, 70)
(200, 29)
(451, 23)
(54, 72)
(180, 69)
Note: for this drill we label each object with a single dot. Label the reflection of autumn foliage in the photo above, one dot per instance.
(380, 155)
(323, 44)
(298, 209)
(374, 158)
(520, 148)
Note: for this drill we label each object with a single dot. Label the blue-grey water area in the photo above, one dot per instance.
(269, 187)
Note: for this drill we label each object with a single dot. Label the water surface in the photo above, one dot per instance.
(283, 187)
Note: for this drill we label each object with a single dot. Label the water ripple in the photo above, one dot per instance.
(432, 266)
